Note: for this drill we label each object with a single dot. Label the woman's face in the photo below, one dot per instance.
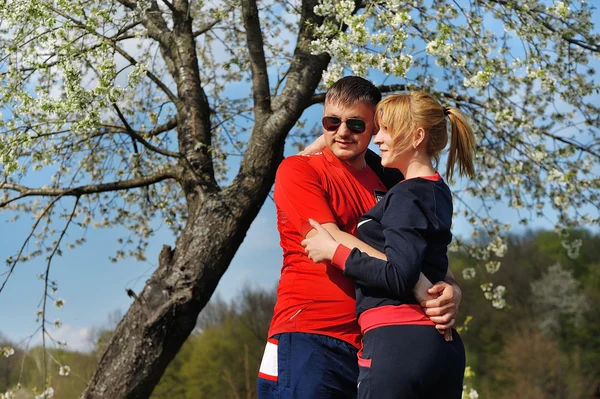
(390, 154)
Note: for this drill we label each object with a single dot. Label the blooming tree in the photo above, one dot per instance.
(131, 111)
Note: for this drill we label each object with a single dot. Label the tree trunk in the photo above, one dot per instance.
(164, 314)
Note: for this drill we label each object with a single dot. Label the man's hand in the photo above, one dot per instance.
(444, 308)
(322, 246)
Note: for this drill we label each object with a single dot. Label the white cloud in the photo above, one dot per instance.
(77, 339)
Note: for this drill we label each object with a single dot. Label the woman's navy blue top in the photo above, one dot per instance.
(411, 225)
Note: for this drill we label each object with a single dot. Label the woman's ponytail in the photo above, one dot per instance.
(462, 144)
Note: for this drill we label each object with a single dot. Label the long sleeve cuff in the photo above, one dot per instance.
(342, 253)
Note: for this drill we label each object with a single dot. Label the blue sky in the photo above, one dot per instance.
(93, 287)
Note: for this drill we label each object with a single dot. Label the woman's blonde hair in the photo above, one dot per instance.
(402, 114)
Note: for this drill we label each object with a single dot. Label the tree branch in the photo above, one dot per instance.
(593, 47)
(135, 136)
(168, 4)
(142, 181)
(46, 278)
(126, 28)
(153, 22)
(150, 75)
(35, 225)
(320, 97)
(113, 42)
(165, 127)
(206, 28)
(260, 78)
(264, 151)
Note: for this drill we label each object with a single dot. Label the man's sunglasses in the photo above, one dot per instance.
(331, 123)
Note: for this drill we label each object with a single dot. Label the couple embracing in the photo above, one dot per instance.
(366, 302)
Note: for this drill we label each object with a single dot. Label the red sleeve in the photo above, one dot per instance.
(299, 194)
(342, 253)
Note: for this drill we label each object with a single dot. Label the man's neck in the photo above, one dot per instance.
(358, 163)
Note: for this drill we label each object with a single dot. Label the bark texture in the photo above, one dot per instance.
(164, 314)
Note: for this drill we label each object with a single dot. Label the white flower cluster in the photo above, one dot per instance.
(498, 247)
(538, 155)
(7, 351)
(64, 371)
(556, 176)
(339, 9)
(440, 48)
(543, 76)
(10, 394)
(468, 273)
(401, 18)
(479, 81)
(141, 7)
(560, 201)
(47, 394)
(492, 266)
(59, 303)
(559, 8)
(496, 295)
(357, 48)
(469, 393)
(572, 247)
(334, 72)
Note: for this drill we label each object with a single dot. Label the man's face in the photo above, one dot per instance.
(346, 145)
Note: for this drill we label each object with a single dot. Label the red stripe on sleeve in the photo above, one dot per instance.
(342, 253)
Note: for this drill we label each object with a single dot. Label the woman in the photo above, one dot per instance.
(403, 355)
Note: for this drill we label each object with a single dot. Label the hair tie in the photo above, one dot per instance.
(446, 110)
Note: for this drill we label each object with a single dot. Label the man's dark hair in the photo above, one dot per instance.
(351, 90)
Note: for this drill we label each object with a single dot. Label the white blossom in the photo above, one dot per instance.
(47, 394)
(64, 370)
(59, 303)
(333, 73)
(560, 8)
(492, 266)
(468, 273)
(469, 393)
(478, 81)
(8, 351)
(498, 247)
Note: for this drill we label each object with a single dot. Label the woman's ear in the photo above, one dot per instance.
(419, 137)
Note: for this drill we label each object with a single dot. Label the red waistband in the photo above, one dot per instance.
(392, 315)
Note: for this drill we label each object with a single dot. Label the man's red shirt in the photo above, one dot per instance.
(316, 297)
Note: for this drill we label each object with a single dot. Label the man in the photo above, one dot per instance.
(314, 337)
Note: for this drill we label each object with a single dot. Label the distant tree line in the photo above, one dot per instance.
(544, 344)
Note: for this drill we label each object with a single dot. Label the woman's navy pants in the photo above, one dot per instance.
(410, 362)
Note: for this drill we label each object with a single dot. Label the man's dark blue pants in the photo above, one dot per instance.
(310, 366)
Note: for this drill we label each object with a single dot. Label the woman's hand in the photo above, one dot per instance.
(321, 246)
(316, 146)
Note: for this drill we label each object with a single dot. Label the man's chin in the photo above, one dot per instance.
(347, 154)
